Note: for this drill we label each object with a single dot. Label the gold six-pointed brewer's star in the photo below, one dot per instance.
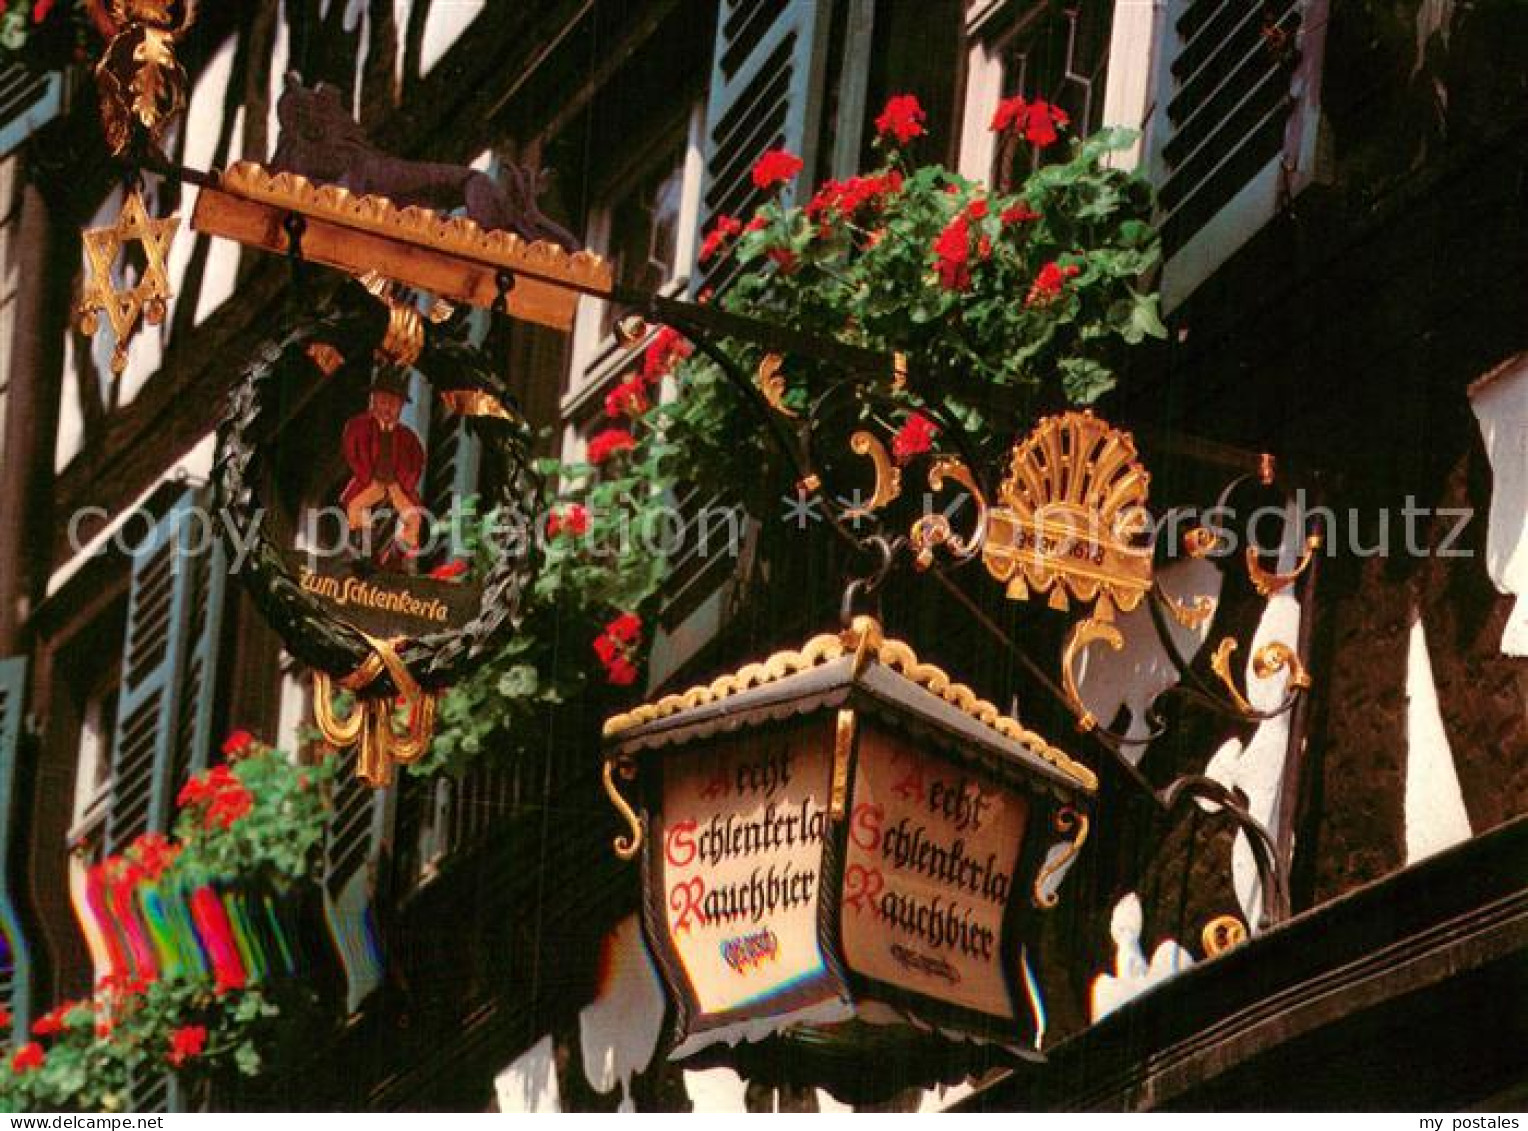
(149, 296)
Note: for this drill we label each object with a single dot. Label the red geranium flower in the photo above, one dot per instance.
(952, 252)
(667, 349)
(193, 792)
(902, 118)
(625, 628)
(450, 571)
(615, 647)
(1043, 121)
(783, 258)
(847, 198)
(186, 1042)
(228, 807)
(1020, 213)
(41, 10)
(621, 672)
(29, 1057)
(629, 398)
(1035, 121)
(1009, 111)
(777, 167)
(757, 224)
(237, 743)
(5, 1017)
(915, 437)
(155, 852)
(1048, 284)
(570, 520)
(608, 442)
(724, 229)
(55, 1020)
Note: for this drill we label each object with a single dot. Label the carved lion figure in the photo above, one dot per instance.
(322, 142)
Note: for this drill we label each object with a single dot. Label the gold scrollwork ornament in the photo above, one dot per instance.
(934, 530)
(770, 381)
(1068, 822)
(1268, 582)
(1267, 661)
(140, 81)
(888, 476)
(372, 724)
(623, 766)
(1084, 633)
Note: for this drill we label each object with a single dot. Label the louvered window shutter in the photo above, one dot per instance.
(766, 92)
(205, 604)
(353, 845)
(169, 667)
(1237, 97)
(28, 102)
(15, 961)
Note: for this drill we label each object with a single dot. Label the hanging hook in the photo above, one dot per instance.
(861, 587)
(504, 281)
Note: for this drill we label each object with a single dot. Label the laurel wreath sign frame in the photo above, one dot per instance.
(352, 327)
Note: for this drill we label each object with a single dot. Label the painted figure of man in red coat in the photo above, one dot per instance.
(386, 460)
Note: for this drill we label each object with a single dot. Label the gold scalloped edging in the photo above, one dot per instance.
(453, 234)
(865, 639)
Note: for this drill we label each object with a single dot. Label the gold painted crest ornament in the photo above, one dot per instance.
(1071, 518)
(147, 299)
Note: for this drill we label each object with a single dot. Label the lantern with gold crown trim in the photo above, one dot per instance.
(844, 833)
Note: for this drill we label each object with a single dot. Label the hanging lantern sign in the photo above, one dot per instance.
(844, 833)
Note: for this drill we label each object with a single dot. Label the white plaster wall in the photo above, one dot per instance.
(70, 436)
(281, 58)
(1500, 402)
(716, 1091)
(1435, 813)
(401, 10)
(1133, 975)
(1257, 767)
(220, 279)
(529, 1085)
(620, 1029)
(447, 21)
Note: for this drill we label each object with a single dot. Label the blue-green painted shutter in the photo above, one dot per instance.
(28, 102)
(767, 78)
(153, 660)
(206, 603)
(15, 970)
(167, 702)
(1235, 125)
